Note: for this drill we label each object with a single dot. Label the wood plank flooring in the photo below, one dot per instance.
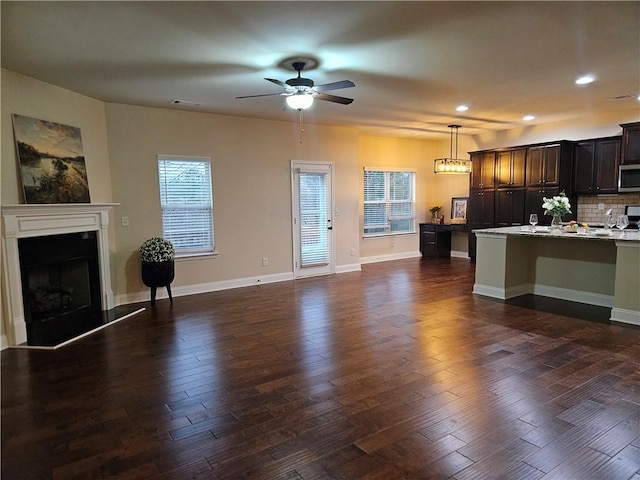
(395, 372)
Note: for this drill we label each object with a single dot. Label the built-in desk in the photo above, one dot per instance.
(435, 238)
(602, 271)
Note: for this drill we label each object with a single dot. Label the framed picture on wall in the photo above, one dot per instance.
(51, 158)
(459, 209)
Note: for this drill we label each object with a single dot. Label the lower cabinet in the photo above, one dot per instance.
(435, 240)
(509, 207)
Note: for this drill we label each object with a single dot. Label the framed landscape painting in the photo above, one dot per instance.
(51, 161)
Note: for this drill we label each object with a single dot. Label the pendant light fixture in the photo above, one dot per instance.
(452, 164)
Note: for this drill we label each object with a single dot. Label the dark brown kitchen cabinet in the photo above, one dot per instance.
(510, 168)
(630, 143)
(480, 214)
(509, 207)
(543, 165)
(483, 169)
(596, 166)
(435, 240)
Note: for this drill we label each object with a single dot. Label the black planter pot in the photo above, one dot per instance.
(158, 274)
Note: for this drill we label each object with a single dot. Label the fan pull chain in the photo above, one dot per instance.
(301, 125)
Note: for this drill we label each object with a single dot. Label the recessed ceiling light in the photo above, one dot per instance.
(528, 118)
(639, 98)
(462, 108)
(585, 79)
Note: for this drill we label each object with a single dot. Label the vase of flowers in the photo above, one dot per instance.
(157, 265)
(556, 206)
(435, 210)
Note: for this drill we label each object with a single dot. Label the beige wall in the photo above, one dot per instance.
(431, 188)
(26, 96)
(251, 184)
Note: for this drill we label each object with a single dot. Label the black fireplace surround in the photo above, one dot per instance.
(60, 286)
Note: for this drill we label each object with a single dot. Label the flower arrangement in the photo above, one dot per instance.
(434, 210)
(558, 205)
(157, 249)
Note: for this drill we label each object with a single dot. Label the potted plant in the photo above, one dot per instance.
(157, 256)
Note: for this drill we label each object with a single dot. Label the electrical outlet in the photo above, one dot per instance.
(353, 252)
(265, 261)
(125, 221)
(601, 206)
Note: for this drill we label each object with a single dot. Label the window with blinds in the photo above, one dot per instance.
(314, 219)
(389, 202)
(187, 203)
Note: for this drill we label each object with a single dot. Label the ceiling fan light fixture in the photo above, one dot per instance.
(299, 101)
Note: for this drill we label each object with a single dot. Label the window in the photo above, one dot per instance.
(389, 202)
(187, 203)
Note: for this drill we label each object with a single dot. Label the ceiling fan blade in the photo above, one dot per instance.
(277, 82)
(333, 98)
(335, 85)
(262, 95)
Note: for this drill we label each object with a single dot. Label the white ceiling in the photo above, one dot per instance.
(412, 62)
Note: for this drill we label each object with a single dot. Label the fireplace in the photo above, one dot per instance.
(58, 283)
(60, 286)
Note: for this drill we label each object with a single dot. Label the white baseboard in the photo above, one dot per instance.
(180, 291)
(460, 254)
(544, 291)
(574, 295)
(389, 257)
(352, 267)
(489, 291)
(4, 343)
(625, 316)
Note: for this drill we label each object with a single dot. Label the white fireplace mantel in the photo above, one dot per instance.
(36, 220)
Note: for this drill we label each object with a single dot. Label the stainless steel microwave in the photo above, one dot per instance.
(629, 178)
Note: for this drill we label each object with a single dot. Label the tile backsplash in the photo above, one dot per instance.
(589, 212)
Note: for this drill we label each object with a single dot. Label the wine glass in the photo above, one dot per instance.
(611, 222)
(622, 223)
(533, 220)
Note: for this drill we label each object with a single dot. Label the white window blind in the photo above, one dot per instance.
(389, 202)
(187, 203)
(314, 217)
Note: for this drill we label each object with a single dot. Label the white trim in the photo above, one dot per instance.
(544, 291)
(574, 295)
(460, 254)
(489, 291)
(352, 267)
(623, 315)
(389, 257)
(3, 342)
(182, 291)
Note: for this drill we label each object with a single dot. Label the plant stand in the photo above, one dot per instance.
(158, 274)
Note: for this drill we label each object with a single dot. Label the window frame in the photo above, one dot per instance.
(182, 252)
(389, 202)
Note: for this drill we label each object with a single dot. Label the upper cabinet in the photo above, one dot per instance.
(550, 165)
(596, 166)
(630, 143)
(483, 170)
(510, 168)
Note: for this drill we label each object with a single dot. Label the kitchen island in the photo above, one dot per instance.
(588, 268)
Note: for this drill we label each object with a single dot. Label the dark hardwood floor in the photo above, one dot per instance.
(394, 372)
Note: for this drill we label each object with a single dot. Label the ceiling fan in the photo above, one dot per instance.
(300, 91)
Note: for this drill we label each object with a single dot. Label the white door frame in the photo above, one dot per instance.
(317, 167)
